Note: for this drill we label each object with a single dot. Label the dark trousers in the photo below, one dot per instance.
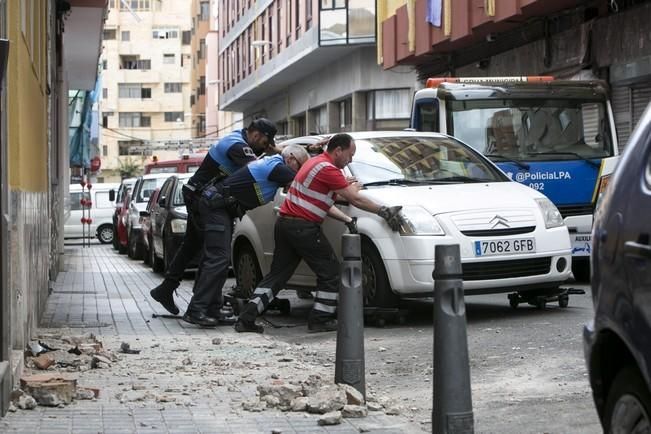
(217, 232)
(192, 240)
(295, 240)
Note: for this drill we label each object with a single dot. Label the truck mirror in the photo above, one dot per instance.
(112, 195)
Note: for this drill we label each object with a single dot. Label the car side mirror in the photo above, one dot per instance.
(112, 195)
(144, 214)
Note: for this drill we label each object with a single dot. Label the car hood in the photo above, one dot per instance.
(440, 199)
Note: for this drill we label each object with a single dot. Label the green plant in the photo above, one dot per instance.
(129, 167)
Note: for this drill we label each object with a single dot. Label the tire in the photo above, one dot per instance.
(247, 271)
(135, 248)
(121, 249)
(157, 264)
(628, 405)
(146, 256)
(581, 270)
(115, 240)
(105, 234)
(375, 283)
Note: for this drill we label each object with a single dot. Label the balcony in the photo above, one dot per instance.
(147, 105)
(137, 76)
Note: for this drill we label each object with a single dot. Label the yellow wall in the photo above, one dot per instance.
(387, 8)
(27, 102)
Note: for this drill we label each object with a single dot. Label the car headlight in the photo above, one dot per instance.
(178, 226)
(418, 221)
(551, 214)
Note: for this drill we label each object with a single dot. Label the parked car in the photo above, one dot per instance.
(511, 237)
(168, 223)
(145, 224)
(118, 198)
(100, 212)
(142, 190)
(617, 342)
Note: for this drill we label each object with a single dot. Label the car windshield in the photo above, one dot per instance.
(148, 187)
(419, 160)
(532, 129)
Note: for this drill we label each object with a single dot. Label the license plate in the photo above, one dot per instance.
(504, 247)
(581, 244)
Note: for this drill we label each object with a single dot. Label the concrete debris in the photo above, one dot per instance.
(285, 393)
(131, 396)
(43, 361)
(187, 361)
(374, 406)
(86, 393)
(328, 399)
(126, 349)
(22, 400)
(165, 398)
(253, 405)
(12, 408)
(49, 389)
(351, 411)
(353, 396)
(300, 403)
(217, 341)
(100, 362)
(276, 431)
(331, 418)
(393, 411)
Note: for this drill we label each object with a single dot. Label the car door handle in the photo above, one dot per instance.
(631, 248)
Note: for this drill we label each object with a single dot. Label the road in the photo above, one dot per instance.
(527, 368)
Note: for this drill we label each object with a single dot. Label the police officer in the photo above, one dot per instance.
(298, 234)
(224, 157)
(247, 188)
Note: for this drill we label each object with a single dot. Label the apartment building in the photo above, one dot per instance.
(200, 28)
(147, 65)
(310, 66)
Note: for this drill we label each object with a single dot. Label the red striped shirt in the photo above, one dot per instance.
(311, 193)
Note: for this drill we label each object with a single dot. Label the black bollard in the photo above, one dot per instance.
(452, 402)
(349, 363)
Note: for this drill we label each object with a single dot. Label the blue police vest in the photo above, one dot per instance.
(260, 170)
(219, 151)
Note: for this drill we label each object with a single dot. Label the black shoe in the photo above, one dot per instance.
(329, 325)
(243, 326)
(164, 294)
(200, 319)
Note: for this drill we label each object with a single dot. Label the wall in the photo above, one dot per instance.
(28, 168)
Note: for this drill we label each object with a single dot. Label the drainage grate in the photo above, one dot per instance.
(74, 292)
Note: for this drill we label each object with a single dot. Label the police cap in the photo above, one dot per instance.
(266, 127)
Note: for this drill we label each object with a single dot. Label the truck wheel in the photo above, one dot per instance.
(105, 234)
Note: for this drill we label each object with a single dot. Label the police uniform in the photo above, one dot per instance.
(298, 235)
(247, 188)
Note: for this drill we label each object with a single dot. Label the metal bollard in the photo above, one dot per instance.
(452, 400)
(349, 362)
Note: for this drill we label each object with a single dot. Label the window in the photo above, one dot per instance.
(105, 118)
(125, 35)
(202, 49)
(345, 114)
(165, 33)
(125, 147)
(169, 59)
(288, 21)
(102, 200)
(104, 64)
(134, 120)
(139, 5)
(308, 15)
(133, 90)
(297, 18)
(134, 62)
(174, 116)
(75, 200)
(389, 104)
(104, 93)
(186, 37)
(344, 22)
(202, 85)
(204, 11)
(271, 47)
(173, 87)
(109, 34)
(104, 150)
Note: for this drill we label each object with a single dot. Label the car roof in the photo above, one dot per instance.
(156, 175)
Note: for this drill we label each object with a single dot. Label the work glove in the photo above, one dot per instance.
(352, 226)
(392, 216)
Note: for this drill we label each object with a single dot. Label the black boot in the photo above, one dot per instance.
(164, 294)
(246, 320)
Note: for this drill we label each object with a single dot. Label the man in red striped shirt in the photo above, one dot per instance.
(298, 234)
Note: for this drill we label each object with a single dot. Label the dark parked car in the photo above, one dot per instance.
(618, 341)
(118, 198)
(168, 222)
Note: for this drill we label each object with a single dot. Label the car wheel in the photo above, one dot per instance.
(105, 234)
(146, 256)
(157, 264)
(628, 405)
(247, 271)
(122, 249)
(375, 283)
(135, 248)
(581, 270)
(115, 240)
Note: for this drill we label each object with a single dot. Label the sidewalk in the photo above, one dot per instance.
(186, 379)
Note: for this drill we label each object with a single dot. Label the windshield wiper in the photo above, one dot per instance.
(579, 156)
(459, 178)
(394, 181)
(518, 163)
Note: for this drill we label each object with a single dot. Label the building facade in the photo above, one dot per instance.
(310, 66)
(609, 40)
(200, 28)
(52, 47)
(147, 65)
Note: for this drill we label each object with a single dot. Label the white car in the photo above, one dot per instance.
(511, 237)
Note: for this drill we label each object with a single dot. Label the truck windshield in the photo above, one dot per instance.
(532, 129)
